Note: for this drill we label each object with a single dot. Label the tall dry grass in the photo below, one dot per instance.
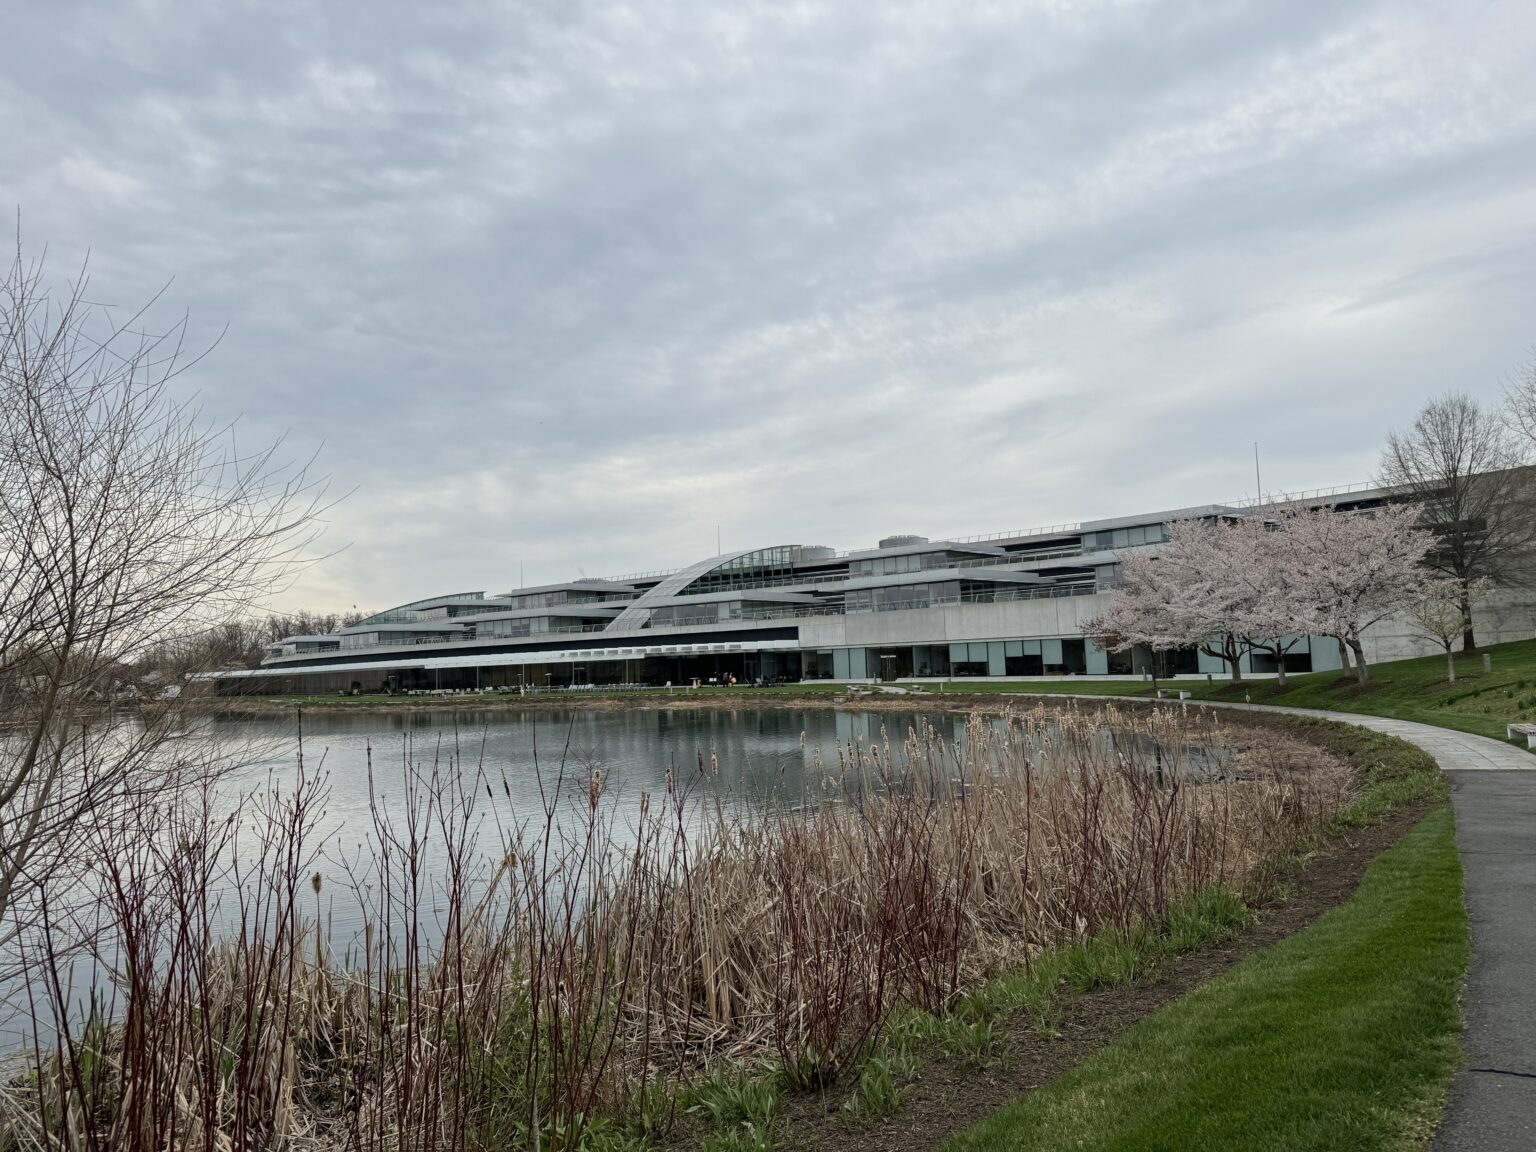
(605, 956)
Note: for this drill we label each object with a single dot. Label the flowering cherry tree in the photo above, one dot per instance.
(1180, 597)
(1267, 600)
(1351, 569)
(1227, 586)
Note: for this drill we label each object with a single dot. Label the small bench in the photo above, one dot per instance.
(1526, 730)
(1164, 694)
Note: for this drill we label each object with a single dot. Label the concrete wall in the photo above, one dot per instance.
(1507, 614)
(1011, 620)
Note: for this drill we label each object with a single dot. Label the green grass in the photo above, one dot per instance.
(1343, 1036)
(1403, 689)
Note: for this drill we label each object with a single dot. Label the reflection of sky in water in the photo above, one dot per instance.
(739, 759)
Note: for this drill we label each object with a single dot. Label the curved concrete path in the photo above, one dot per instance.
(1493, 789)
(1492, 1107)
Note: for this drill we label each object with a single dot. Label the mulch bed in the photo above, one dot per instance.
(949, 1098)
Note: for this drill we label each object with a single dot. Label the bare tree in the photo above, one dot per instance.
(126, 522)
(1461, 464)
(242, 641)
(1520, 403)
(1441, 614)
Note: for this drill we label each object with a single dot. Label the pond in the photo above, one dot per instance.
(744, 758)
(735, 762)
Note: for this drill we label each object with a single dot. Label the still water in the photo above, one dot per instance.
(745, 757)
(737, 761)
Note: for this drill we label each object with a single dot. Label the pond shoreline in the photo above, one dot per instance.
(730, 700)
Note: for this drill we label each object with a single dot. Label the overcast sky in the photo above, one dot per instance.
(570, 284)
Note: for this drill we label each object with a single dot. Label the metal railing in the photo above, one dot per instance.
(994, 596)
(464, 637)
(1059, 529)
(1019, 534)
(1279, 499)
(802, 611)
(1009, 561)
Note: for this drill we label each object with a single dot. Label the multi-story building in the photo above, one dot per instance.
(1005, 605)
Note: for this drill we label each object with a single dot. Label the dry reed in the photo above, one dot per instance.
(608, 956)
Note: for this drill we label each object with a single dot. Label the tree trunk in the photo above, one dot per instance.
(1362, 673)
(1450, 665)
(1468, 640)
(1343, 654)
(1233, 658)
(1280, 667)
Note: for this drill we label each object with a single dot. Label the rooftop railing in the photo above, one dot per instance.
(1012, 560)
(1308, 496)
(1058, 529)
(989, 596)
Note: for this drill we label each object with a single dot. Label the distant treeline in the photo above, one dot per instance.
(241, 642)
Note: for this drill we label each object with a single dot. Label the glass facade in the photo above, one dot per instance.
(520, 626)
(1061, 656)
(556, 598)
(408, 613)
(930, 660)
(765, 566)
(900, 596)
(1297, 659)
(1125, 537)
(893, 565)
(673, 615)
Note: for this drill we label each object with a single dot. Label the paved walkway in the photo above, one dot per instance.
(1493, 789)
(1455, 751)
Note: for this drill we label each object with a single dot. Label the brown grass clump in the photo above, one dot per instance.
(609, 956)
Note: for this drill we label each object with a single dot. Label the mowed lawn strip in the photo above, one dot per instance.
(1402, 689)
(1344, 1036)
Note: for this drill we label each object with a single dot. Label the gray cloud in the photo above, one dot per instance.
(573, 283)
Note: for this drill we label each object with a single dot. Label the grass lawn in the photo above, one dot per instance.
(1403, 689)
(1343, 1036)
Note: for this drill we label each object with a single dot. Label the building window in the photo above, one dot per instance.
(685, 615)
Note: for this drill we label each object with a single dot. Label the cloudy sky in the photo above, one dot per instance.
(568, 285)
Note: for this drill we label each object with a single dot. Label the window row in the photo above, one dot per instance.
(528, 626)
(891, 565)
(900, 596)
(1057, 657)
(1125, 537)
(685, 614)
(555, 599)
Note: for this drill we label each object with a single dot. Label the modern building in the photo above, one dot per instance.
(999, 606)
